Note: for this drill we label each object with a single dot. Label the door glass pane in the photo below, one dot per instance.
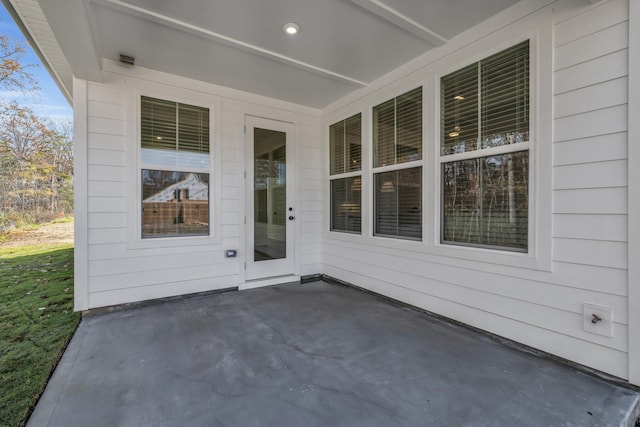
(269, 195)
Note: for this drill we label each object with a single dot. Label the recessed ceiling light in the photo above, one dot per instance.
(291, 28)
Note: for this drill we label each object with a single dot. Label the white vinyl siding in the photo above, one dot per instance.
(538, 306)
(584, 184)
(121, 272)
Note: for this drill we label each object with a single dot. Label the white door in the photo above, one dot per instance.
(269, 205)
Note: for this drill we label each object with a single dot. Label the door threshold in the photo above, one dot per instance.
(268, 281)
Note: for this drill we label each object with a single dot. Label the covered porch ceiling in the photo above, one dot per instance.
(342, 46)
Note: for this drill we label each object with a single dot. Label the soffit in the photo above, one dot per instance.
(343, 45)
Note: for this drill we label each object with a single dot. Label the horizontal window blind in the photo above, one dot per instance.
(345, 145)
(487, 103)
(346, 194)
(459, 117)
(398, 203)
(384, 134)
(337, 148)
(397, 129)
(505, 97)
(158, 124)
(167, 125)
(193, 128)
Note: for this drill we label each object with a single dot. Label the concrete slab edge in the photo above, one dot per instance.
(632, 418)
(42, 411)
(155, 301)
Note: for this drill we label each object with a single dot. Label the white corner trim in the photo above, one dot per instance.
(633, 219)
(80, 190)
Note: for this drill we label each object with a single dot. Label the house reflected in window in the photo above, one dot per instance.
(174, 203)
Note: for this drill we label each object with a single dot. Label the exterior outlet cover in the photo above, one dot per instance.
(591, 313)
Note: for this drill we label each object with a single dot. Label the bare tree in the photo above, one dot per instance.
(13, 74)
(22, 133)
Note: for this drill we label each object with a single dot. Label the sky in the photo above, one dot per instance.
(49, 101)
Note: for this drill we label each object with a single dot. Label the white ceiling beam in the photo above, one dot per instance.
(69, 21)
(389, 14)
(221, 38)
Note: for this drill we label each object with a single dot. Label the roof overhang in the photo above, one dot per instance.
(343, 45)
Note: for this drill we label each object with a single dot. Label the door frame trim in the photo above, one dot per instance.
(292, 274)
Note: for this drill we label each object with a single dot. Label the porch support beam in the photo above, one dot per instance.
(385, 12)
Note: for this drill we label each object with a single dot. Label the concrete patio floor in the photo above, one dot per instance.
(315, 354)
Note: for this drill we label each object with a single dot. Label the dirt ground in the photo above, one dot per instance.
(46, 235)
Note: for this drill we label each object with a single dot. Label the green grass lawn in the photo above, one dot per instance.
(36, 323)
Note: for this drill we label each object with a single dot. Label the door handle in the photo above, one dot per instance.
(291, 218)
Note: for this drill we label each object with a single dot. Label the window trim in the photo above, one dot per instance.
(347, 174)
(538, 254)
(481, 153)
(134, 167)
(538, 28)
(373, 170)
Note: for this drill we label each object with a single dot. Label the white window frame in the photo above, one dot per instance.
(538, 254)
(345, 175)
(134, 168)
(480, 153)
(538, 29)
(386, 96)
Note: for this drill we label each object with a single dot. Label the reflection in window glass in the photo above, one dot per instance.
(485, 201)
(270, 194)
(174, 203)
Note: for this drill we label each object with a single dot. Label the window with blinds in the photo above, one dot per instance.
(174, 145)
(174, 134)
(397, 129)
(486, 104)
(398, 203)
(484, 152)
(345, 164)
(345, 204)
(397, 140)
(345, 145)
